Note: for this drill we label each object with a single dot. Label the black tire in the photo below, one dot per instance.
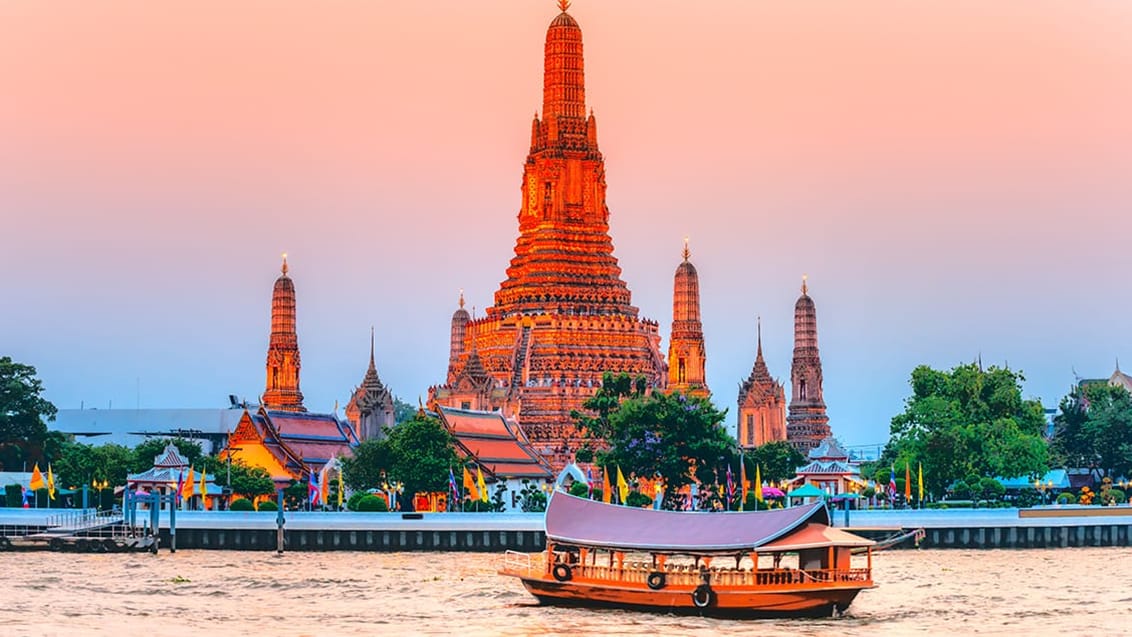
(110, 546)
(55, 544)
(656, 580)
(703, 596)
(5, 543)
(562, 572)
(82, 546)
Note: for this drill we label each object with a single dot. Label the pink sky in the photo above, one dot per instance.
(954, 178)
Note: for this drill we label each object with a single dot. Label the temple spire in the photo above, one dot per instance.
(461, 298)
(282, 386)
(687, 252)
(563, 5)
(759, 332)
(564, 85)
(805, 289)
(284, 264)
(371, 362)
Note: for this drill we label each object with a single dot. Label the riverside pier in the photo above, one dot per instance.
(1040, 527)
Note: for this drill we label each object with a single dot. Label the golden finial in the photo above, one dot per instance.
(563, 5)
(687, 252)
(804, 288)
(461, 298)
(285, 264)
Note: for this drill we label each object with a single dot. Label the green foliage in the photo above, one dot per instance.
(242, 504)
(13, 495)
(250, 481)
(1094, 429)
(1027, 498)
(657, 434)
(417, 453)
(267, 505)
(1115, 496)
(22, 415)
(967, 421)
(1066, 498)
(352, 501)
(991, 489)
(638, 499)
(532, 499)
(584, 454)
(868, 492)
(961, 490)
(77, 464)
(365, 468)
(777, 461)
(580, 489)
(150, 448)
(402, 411)
(370, 503)
(296, 495)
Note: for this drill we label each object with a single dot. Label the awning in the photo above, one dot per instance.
(806, 491)
(582, 522)
(815, 536)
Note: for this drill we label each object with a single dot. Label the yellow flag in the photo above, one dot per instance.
(341, 489)
(190, 484)
(758, 483)
(606, 490)
(622, 486)
(50, 482)
(480, 484)
(36, 479)
(470, 486)
(920, 481)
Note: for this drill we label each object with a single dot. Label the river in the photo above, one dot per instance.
(990, 592)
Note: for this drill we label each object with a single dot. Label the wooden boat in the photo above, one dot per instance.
(767, 563)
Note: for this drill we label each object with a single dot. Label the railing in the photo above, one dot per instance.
(688, 575)
(81, 520)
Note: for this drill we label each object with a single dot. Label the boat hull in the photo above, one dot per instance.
(808, 602)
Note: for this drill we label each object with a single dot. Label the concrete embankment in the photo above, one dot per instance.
(1042, 527)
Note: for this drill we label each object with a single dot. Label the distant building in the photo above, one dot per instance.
(687, 356)
(131, 427)
(807, 423)
(762, 404)
(370, 409)
(831, 469)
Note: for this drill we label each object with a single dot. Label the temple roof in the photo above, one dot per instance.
(828, 449)
(170, 457)
(579, 521)
(494, 443)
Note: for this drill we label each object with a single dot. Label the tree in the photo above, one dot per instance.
(22, 413)
(77, 464)
(777, 461)
(671, 436)
(247, 480)
(421, 453)
(402, 411)
(967, 421)
(366, 468)
(151, 448)
(1094, 429)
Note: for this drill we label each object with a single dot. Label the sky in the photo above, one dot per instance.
(954, 178)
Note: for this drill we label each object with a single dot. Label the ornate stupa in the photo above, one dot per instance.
(687, 357)
(762, 404)
(370, 409)
(563, 316)
(807, 423)
(282, 388)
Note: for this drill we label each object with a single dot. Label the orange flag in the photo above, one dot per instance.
(470, 486)
(36, 479)
(907, 481)
(606, 491)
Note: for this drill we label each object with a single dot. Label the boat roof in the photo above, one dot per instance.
(815, 536)
(583, 522)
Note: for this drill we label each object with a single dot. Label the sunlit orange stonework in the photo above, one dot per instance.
(687, 357)
(282, 391)
(563, 316)
(762, 404)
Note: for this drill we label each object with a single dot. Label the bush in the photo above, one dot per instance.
(371, 503)
(584, 455)
(13, 496)
(638, 499)
(352, 501)
(268, 505)
(1027, 498)
(241, 504)
(1066, 498)
(961, 490)
(580, 489)
(1115, 496)
(991, 489)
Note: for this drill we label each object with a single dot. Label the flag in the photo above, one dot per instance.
(50, 482)
(907, 481)
(203, 491)
(342, 489)
(607, 491)
(189, 485)
(312, 488)
(480, 484)
(470, 486)
(452, 485)
(24, 491)
(892, 481)
(36, 479)
(622, 486)
(758, 484)
(590, 483)
(742, 482)
(659, 497)
(730, 488)
(920, 481)
(324, 483)
(180, 484)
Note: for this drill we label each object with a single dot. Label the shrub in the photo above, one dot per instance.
(584, 455)
(1066, 498)
(961, 490)
(268, 505)
(13, 495)
(1115, 496)
(370, 503)
(241, 504)
(1027, 498)
(580, 489)
(352, 501)
(638, 499)
(991, 489)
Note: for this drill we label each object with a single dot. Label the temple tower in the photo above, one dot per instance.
(282, 390)
(762, 404)
(460, 320)
(563, 316)
(370, 409)
(687, 357)
(807, 425)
